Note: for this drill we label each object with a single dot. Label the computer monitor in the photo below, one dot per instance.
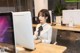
(23, 29)
(6, 33)
(71, 16)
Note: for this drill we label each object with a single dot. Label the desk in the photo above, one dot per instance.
(74, 28)
(11, 48)
(47, 48)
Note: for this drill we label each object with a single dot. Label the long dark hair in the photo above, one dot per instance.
(44, 13)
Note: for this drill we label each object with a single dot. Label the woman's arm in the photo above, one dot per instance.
(36, 31)
(49, 33)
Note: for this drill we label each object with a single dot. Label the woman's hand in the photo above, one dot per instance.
(37, 41)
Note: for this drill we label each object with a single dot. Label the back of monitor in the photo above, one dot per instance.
(23, 29)
(71, 16)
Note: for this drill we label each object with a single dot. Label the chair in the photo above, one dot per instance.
(54, 36)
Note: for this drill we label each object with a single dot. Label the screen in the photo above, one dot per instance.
(72, 0)
(6, 32)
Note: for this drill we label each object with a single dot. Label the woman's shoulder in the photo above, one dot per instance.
(49, 25)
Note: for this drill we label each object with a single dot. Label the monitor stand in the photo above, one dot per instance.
(18, 49)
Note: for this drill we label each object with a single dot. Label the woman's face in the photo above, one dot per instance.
(42, 19)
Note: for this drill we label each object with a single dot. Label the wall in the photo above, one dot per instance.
(40, 4)
(7, 9)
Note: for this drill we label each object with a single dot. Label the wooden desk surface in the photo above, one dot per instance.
(74, 28)
(47, 48)
(11, 48)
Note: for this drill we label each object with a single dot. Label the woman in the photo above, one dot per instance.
(43, 31)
